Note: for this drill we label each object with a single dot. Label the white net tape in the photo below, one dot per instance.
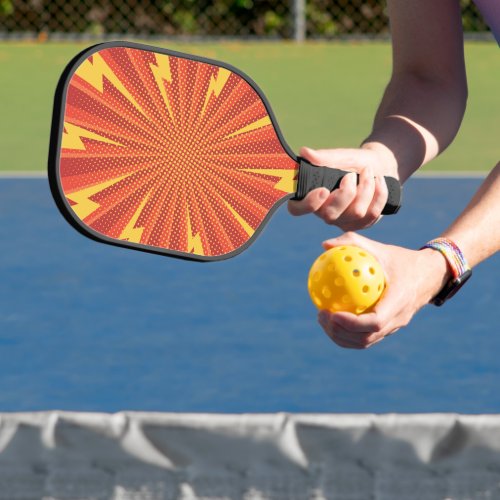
(155, 456)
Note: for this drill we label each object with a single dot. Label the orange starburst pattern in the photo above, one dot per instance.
(168, 152)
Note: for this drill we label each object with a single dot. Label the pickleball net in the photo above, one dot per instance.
(159, 456)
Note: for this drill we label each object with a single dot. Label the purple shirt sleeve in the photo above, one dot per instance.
(490, 9)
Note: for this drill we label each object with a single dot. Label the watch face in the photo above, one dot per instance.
(451, 288)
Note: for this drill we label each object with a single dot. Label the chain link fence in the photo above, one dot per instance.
(284, 19)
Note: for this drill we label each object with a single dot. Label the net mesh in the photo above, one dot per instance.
(154, 456)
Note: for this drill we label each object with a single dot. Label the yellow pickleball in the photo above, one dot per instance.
(346, 278)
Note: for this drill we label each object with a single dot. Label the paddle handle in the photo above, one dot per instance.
(312, 177)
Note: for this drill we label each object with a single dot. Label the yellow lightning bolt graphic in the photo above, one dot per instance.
(84, 205)
(94, 73)
(216, 85)
(263, 122)
(194, 241)
(131, 233)
(287, 183)
(71, 139)
(161, 71)
(244, 224)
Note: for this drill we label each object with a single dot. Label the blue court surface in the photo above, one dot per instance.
(91, 327)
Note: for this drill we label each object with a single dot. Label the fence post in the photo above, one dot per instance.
(299, 20)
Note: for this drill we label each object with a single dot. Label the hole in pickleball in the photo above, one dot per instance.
(366, 289)
(356, 273)
(348, 258)
(317, 276)
(363, 254)
(346, 299)
(360, 309)
(339, 281)
(336, 306)
(379, 287)
(372, 270)
(327, 293)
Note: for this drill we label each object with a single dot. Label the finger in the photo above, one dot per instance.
(353, 341)
(340, 335)
(348, 238)
(365, 191)
(384, 318)
(342, 340)
(380, 196)
(338, 201)
(372, 343)
(362, 324)
(358, 224)
(366, 210)
(338, 157)
(362, 340)
(347, 338)
(344, 344)
(311, 203)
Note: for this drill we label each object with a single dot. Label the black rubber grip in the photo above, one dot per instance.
(312, 177)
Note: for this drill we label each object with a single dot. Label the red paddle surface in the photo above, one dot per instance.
(169, 152)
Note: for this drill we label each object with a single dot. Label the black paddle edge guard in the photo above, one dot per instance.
(312, 177)
(56, 132)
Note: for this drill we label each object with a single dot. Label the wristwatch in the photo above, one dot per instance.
(460, 270)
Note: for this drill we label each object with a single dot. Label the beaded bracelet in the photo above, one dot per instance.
(452, 254)
(458, 265)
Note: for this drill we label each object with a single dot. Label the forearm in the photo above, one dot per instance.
(416, 120)
(477, 230)
(424, 103)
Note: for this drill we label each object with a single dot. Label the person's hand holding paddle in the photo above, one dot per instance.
(354, 205)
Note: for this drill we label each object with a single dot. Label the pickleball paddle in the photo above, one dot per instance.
(171, 153)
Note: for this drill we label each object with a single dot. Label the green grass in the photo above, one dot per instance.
(323, 95)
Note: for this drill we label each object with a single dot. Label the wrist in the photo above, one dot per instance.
(437, 272)
(386, 156)
(457, 266)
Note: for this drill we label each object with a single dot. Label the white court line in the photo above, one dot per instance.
(23, 174)
(454, 174)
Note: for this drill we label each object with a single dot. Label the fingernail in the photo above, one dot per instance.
(324, 194)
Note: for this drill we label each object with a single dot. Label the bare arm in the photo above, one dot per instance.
(477, 230)
(424, 102)
(418, 117)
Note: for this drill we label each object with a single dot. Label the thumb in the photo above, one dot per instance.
(311, 155)
(353, 159)
(349, 238)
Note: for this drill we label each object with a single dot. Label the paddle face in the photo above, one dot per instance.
(164, 152)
